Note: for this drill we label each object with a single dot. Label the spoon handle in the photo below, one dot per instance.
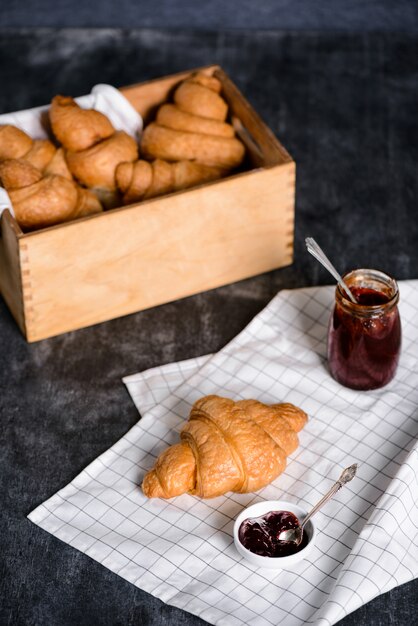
(317, 252)
(347, 475)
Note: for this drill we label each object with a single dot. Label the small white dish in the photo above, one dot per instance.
(277, 562)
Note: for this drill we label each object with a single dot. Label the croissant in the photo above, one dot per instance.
(41, 153)
(58, 165)
(96, 166)
(93, 149)
(76, 128)
(226, 446)
(87, 203)
(194, 127)
(160, 142)
(44, 200)
(172, 117)
(16, 144)
(141, 180)
(211, 82)
(199, 99)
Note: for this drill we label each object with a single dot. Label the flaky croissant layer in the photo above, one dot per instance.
(226, 446)
(44, 200)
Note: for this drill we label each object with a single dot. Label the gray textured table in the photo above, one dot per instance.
(344, 105)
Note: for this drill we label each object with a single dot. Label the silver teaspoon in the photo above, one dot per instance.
(317, 252)
(295, 534)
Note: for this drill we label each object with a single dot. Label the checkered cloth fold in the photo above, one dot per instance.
(182, 550)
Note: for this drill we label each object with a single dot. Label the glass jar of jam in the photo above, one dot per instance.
(364, 339)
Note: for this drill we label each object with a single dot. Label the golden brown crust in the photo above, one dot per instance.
(96, 166)
(41, 153)
(76, 128)
(142, 179)
(255, 452)
(210, 82)
(188, 174)
(236, 446)
(58, 165)
(180, 480)
(171, 116)
(44, 200)
(282, 432)
(87, 204)
(16, 173)
(49, 201)
(194, 98)
(162, 179)
(14, 143)
(217, 471)
(124, 175)
(159, 142)
(134, 179)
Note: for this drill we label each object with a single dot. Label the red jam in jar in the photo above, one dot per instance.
(260, 534)
(364, 338)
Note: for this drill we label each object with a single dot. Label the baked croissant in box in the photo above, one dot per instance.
(44, 200)
(93, 149)
(189, 143)
(194, 128)
(140, 180)
(226, 446)
(36, 176)
(16, 144)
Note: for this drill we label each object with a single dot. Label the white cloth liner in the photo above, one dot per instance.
(182, 550)
(103, 98)
(5, 202)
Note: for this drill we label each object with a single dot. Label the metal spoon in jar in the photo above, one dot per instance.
(295, 534)
(317, 252)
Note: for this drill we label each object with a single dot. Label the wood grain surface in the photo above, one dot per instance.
(129, 259)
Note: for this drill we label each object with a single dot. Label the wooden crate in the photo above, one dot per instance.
(72, 275)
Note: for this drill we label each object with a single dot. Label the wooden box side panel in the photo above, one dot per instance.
(10, 269)
(159, 251)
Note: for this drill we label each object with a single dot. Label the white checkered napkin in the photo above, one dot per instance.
(182, 551)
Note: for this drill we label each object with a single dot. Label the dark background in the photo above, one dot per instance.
(347, 15)
(338, 83)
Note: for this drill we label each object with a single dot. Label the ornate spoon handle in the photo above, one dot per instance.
(347, 475)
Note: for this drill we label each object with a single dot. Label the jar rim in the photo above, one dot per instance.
(376, 275)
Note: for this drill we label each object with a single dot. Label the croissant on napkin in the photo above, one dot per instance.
(226, 446)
